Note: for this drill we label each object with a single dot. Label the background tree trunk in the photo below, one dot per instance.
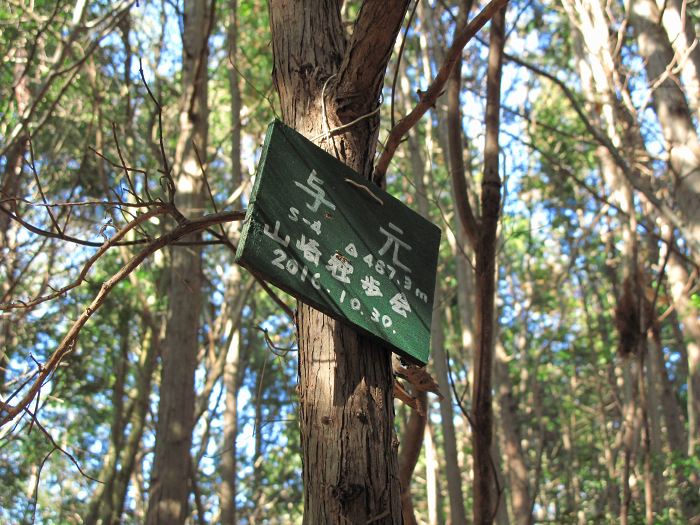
(227, 499)
(680, 282)
(672, 111)
(485, 496)
(516, 467)
(411, 444)
(10, 187)
(680, 30)
(168, 492)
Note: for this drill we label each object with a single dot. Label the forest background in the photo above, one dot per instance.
(129, 136)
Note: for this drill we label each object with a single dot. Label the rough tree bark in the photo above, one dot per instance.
(345, 380)
(168, 491)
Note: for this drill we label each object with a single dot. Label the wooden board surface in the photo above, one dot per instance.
(334, 240)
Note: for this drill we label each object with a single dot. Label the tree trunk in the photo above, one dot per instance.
(411, 445)
(227, 498)
(482, 234)
(598, 71)
(646, 437)
(103, 494)
(345, 380)
(10, 185)
(413, 435)
(452, 471)
(630, 435)
(168, 492)
(680, 31)
(147, 365)
(672, 111)
(431, 469)
(678, 279)
(518, 475)
(484, 472)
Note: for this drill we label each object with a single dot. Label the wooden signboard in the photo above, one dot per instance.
(319, 231)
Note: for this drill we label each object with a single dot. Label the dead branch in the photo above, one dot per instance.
(56, 446)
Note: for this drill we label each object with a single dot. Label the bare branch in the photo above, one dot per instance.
(276, 298)
(398, 58)
(430, 96)
(32, 167)
(189, 226)
(90, 262)
(367, 54)
(167, 179)
(56, 446)
(132, 188)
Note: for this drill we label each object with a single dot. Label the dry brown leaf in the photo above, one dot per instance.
(417, 376)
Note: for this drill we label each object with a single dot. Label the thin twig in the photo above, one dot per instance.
(167, 178)
(630, 175)
(458, 398)
(398, 59)
(270, 292)
(206, 183)
(95, 244)
(65, 204)
(88, 264)
(32, 167)
(277, 350)
(35, 490)
(114, 164)
(126, 170)
(662, 272)
(59, 448)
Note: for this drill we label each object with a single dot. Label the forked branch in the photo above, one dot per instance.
(430, 96)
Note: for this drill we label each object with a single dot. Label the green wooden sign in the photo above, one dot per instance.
(319, 231)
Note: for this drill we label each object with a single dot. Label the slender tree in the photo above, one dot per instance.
(482, 234)
(169, 489)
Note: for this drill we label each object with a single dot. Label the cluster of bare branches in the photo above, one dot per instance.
(138, 208)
